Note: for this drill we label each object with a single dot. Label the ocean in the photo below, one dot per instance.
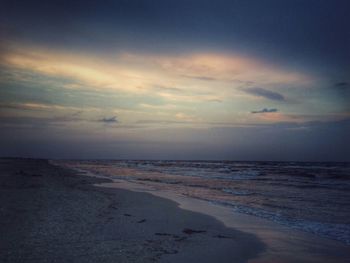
(311, 197)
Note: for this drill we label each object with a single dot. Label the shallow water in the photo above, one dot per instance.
(313, 197)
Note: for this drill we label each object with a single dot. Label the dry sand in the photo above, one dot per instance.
(51, 214)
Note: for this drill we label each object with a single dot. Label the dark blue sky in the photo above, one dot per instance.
(310, 31)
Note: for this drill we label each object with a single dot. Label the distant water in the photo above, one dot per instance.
(312, 197)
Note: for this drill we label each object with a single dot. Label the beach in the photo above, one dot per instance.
(53, 213)
(50, 214)
(174, 131)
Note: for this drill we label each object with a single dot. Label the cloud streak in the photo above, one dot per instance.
(128, 72)
(265, 110)
(342, 86)
(109, 120)
(267, 94)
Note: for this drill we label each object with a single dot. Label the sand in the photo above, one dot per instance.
(52, 214)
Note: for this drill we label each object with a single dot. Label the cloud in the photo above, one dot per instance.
(33, 106)
(126, 71)
(167, 89)
(265, 110)
(184, 117)
(342, 86)
(215, 100)
(189, 77)
(212, 67)
(204, 78)
(161, 122)
(108, 120)
(268, 94)
(31, 122)
(159, 106)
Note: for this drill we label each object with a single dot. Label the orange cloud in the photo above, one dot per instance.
(127, 72)
(180, 82)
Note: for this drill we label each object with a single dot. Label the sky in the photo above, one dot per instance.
(190, 80)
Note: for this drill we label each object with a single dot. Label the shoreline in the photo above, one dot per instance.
(52, 214)
(283, 243)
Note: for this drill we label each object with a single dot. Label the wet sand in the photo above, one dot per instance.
(52, 214)
(282, 244)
